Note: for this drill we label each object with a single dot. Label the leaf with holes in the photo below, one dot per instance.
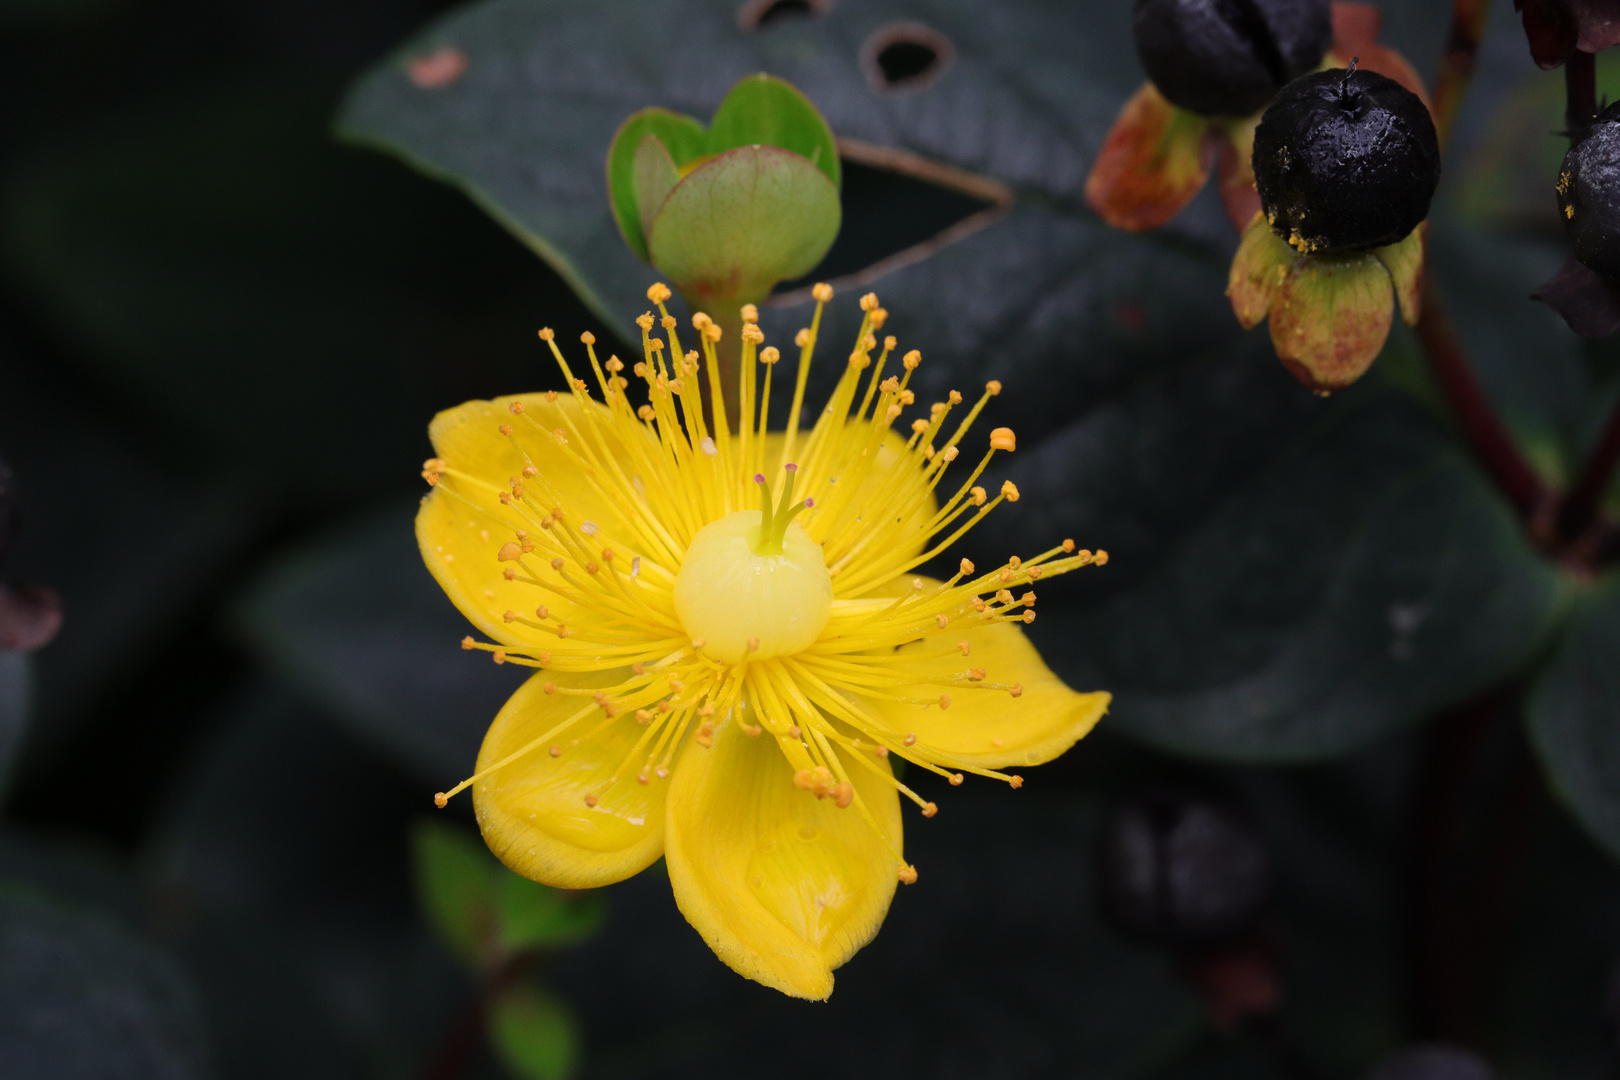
(1290, 577)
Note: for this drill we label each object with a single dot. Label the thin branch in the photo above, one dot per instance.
(1580, 94)
(1581, 505)
(1468, 18)
(1481, 427)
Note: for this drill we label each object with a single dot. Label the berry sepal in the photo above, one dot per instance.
(1330, 314)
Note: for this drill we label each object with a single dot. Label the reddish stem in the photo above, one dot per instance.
(1580, 94)
(1468, 18)
(1481, 427)
(1581, 506)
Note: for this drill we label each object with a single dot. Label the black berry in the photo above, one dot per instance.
(1182, 871)
(1589, 195)
(1229, 57)
(1345, 162)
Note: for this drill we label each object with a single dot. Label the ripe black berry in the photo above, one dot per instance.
(1182, 871)
(1589, 195)
(1345, 162)
(1229, 57)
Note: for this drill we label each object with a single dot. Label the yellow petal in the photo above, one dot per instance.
(991, 728)
(533, 811)
(461, 537)
(783, 886)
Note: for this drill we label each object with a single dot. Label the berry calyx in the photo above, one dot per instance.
(1228, 57)
(1589, 195)
(1345, 162)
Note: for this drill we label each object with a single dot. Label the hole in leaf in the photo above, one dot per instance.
(899, 208)
(905, 57)
(763, 14)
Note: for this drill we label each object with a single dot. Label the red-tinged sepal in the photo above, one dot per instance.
(1262, 263)
(1330, 318)
(1235, 167)
(1405, 262)
(1155, 159)
(1330, 314)
(1588, 302)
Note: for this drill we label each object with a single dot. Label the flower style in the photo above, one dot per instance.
(726, 671)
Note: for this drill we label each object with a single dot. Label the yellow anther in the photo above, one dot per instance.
(516, 408)
(1017, 690)
(645, 320)
(908, 874)
(794, 732)
(499, 656)
(879, 317)
(993, 387)
(588, 338)
(802, 338)
(509, 552)
(468, 642)
(1009, 490)
(944, 701)
(975, 674)
(752, 333)
(907, 397)
(964, 647)
(712, 332)
(440, 799)
(1002, 438)
(911, 360)
(1101, 558)
(769, 355)
(869, 302)
(700, 320)
(910, 739)
(942, 621)
(656, 344)
(646, 412)
(891, 341)
(547, 333)
(822, 292)
(843, 795)
(950, 454)
(956, 779)
(750, 313)
(977, 494)
(658, 292)
(644, 716)
(508, 615)
(918, 426)
(551, 395)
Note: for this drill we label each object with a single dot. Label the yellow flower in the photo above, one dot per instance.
(725, 673)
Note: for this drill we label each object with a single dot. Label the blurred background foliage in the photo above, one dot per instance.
(222, 332)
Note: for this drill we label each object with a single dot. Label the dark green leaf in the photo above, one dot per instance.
(81, 999)
(533, 915)
(1573, 710)
(1290, 577)
(738, 224)
(682, 136)
(357, 623)
(763, 110)
(456, 888)
(535, 1034)
(284, 861)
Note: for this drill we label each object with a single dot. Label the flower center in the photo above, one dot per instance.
(754, 585)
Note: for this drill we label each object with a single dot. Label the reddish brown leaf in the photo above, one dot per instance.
(1155, 159)
(1587, 302)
